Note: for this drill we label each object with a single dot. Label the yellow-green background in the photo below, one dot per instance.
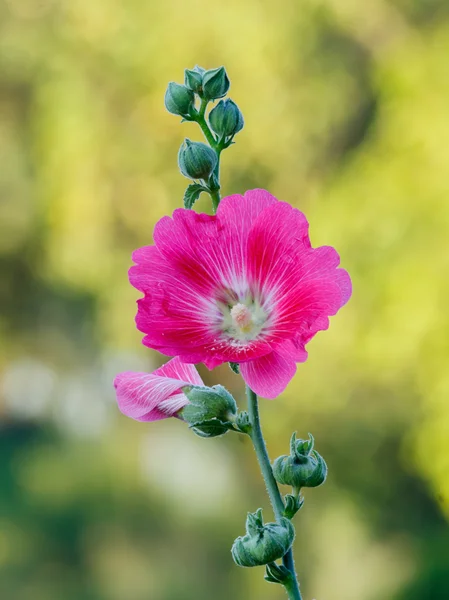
(346, 105)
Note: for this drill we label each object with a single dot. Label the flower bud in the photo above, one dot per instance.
(179, 100)
(304, 467)
(262, 544)
(215, 83)
(242, 422)
(226, 119)
(292, 505)
(196, 160)
(210, 411)
(194, 79)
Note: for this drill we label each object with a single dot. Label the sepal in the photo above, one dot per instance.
(194, 79)
(211, 410)
(292, 505)
(277, 573)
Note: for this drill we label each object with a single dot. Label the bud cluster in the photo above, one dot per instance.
(198, 161)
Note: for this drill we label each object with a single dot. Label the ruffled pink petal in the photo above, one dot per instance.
(268, 376)
(157, 395)
(189, 243)
(174, 314)
(176, 369)
(292, 349)
(278, 238)
(299, 284)
(235, 216)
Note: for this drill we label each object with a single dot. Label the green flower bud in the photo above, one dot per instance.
(210, 411)
(179, 100)
(304, 467)
(262, 544)
(242, 422)
(196, 160)
(292, 505)
(215, 83)
(194, 79)
(226, 118)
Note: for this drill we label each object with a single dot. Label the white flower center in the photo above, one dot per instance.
(241, 316)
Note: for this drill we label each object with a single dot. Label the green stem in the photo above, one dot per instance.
(215, 145)
(215, 196)
(201, 120)
(277, 503)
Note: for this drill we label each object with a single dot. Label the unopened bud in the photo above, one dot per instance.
(304, 467)
(263, 543)
(179, 100)
(242, 422)
(226, 119)
(210, 411)
(194, 79)
(215, 83)
(196, 160)
(292, 505)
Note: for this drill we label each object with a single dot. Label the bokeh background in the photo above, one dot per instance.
(347, 117)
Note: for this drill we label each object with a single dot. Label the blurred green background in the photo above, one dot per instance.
(347, 117)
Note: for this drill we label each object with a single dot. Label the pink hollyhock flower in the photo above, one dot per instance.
(156, 395)
(243, 286)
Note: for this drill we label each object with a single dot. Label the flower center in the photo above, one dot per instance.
(242, 317)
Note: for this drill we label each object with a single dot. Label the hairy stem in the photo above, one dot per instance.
(277, 503)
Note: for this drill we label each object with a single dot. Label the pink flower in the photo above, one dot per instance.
(157, 395)
(243, 286)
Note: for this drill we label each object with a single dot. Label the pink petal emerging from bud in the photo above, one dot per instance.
(157, 395)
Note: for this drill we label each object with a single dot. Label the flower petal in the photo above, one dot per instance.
(235, 216)
(269, 375)
(157, 395)
(176, 369)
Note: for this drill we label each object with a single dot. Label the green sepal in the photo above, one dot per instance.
(235, 367)
(211, 428)
(277, 573)
(210, 411)
(292, 505)
(194, 79)
(192, 194)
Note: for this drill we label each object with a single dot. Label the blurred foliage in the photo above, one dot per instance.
(346, 111)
